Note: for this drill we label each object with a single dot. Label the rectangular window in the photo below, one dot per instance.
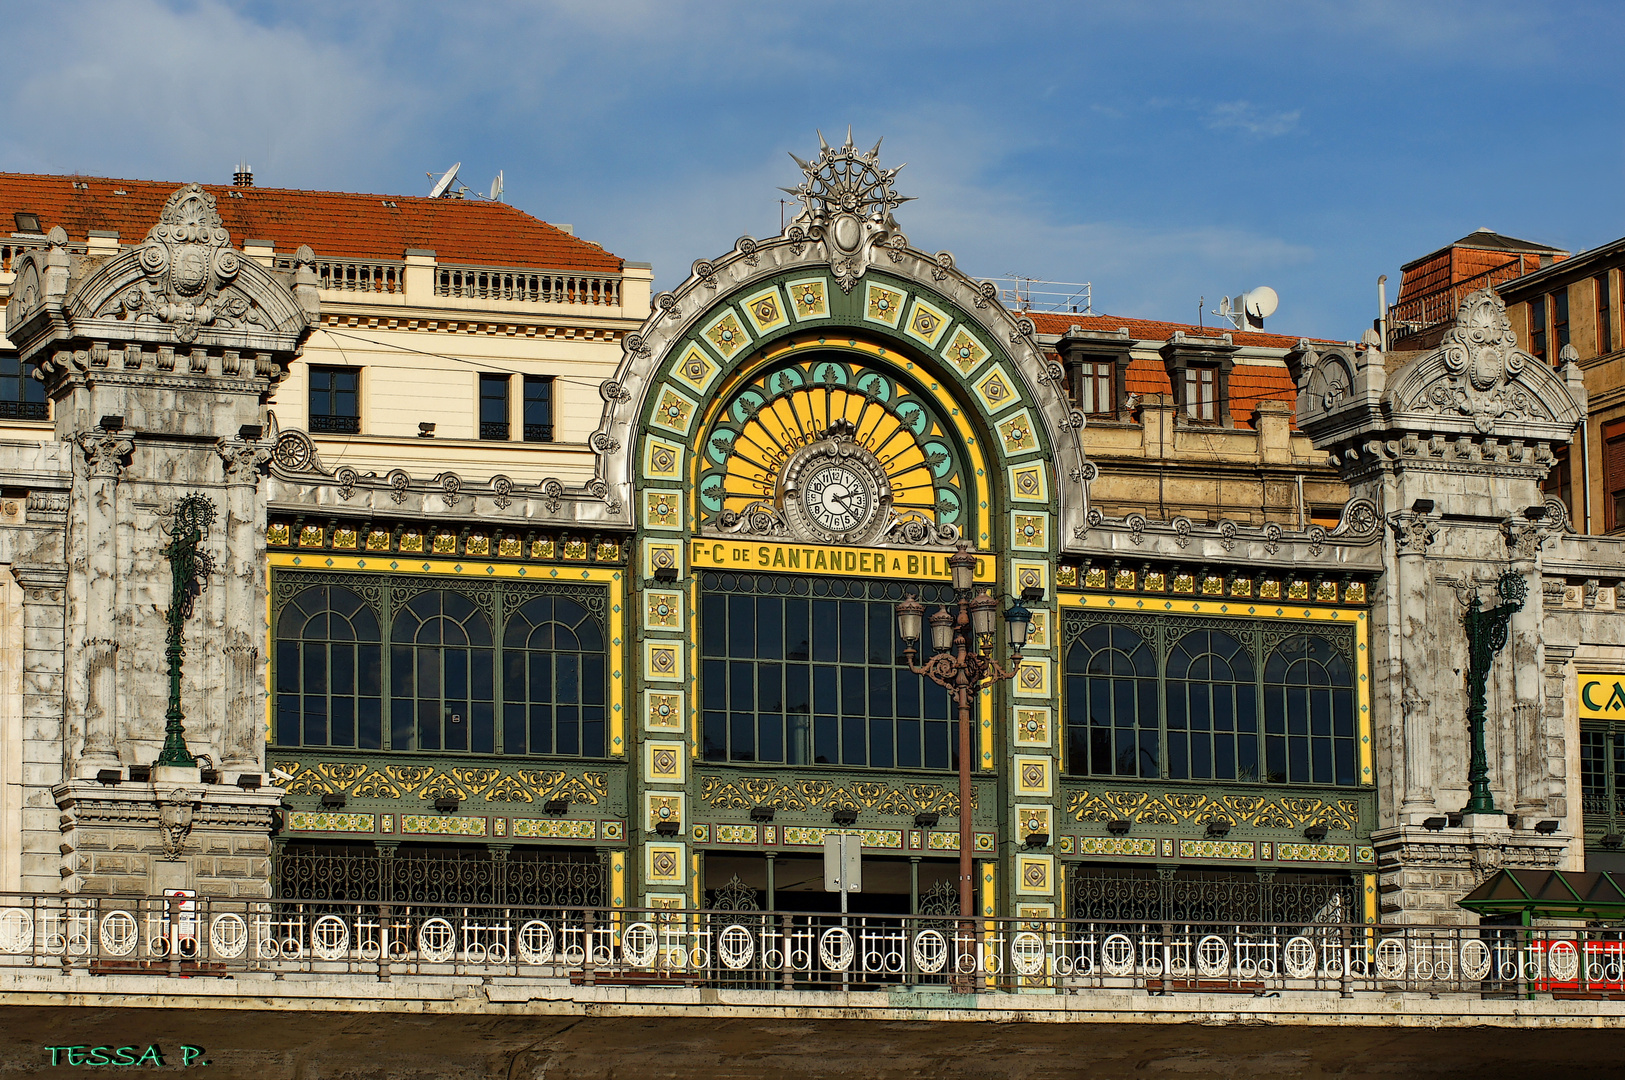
(809, 671)
(538, 408)
(1202, 394)
(1559, 482)
(1605, 315)
(1560, 321)
(494, 406)
(1096, 390)
(1613, 473)
(1537, 328)
(335, 400)
(22, 397)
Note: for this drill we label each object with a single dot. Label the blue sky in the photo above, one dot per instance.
(1161, 151)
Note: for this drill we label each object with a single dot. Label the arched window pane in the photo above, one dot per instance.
(1210, 689)
(1111, 715)
(553, 681)
(1309, 713)
(442, 658)
(328, 658)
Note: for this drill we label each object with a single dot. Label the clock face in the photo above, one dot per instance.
(838, 498)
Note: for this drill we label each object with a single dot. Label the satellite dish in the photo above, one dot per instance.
(496, 187)
(448, 178)
(1260, 303)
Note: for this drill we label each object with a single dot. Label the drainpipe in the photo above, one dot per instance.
(1302, 522)
(1382, 311)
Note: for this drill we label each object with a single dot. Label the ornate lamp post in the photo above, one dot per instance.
(962, 662)
(1486, 634)
(188, 566)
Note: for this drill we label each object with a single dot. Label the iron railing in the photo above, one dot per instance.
(24, 410)
(538, 432)
(1430, 309)
(493, 429)
(335, 425)
(800, 952)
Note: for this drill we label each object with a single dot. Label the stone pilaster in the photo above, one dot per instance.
(240, 741)
(1413, 534)
(105, 455)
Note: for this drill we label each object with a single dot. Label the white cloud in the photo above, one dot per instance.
(1244, 116)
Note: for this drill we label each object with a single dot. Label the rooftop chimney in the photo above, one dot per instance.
(244, 176)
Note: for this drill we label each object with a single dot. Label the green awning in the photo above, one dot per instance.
(1551, 893)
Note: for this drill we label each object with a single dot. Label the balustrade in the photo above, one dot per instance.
(530, 286)
(775, 950)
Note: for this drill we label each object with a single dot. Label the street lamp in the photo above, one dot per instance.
(962, 662)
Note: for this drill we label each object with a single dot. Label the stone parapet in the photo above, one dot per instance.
(138, 839)
(1422, 872)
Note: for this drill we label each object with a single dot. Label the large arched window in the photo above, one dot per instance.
(1111, 703)
(1309, 723)
(441, 683)
(1212, 711)
(328, 671)
(553, 685)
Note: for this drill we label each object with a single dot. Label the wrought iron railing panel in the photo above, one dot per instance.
(334, 425)
(793, 952)
(1212, 897)
(438, 877)
(24, 410)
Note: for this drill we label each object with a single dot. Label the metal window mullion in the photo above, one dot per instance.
(1162, 646)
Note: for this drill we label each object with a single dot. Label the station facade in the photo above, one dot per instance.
(655, 663)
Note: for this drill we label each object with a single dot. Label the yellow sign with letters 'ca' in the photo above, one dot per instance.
(1602, 697)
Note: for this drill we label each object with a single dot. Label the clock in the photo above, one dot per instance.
(835, 491)
(837, 498)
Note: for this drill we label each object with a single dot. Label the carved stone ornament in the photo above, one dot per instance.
(848, 203)
(1482, 361)
(244, 461)
(1414, 532)
(189, 265)
(105, 452)
(174, 821)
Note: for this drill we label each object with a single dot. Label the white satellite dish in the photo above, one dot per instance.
(496, 187)
(1259, 303)
(442, 185)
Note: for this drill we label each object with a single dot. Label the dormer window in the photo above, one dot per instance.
(1202, 394)
(1096, 365)
(1199, 375)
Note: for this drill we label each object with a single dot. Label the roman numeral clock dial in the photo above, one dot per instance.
(835, 491)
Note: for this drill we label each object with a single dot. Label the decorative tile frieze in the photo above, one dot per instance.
(664, 710)
(813, 836)
(665, 864)
(495, 784)
(926, 323)
(663, 660)
(664, 762)
(1032, 775)
(662, 610)
(307, 821)
(442, 825)
(1032, 725)
(765, 310)
(1197, 808)
(795, 795)
(1312, 852)
(965, 352)
(809, 298)
(553, 829)
(1217, 849)
(1035, 874)
(1137, 847)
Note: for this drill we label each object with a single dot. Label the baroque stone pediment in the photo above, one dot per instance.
(184, 286)
(1477, 387)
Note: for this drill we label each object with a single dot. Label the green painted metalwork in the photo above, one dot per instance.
(189, 567)
(1549, 894)
(1486, 635)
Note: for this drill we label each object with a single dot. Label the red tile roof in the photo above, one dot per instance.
(1151, 330)
(334, 224)
(1249, 383)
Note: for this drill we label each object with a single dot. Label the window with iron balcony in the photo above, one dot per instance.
(494, 407)
(22, 397)
(335, 401)
(538, 408)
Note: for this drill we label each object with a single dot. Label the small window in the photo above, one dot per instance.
(22, 397)
(1605, 316)
(494, 406)
(1613, 467)
(1537, 328)
(1096, 389)
(335, 400)
(1559, 483)
(538, 408)
(1560, 320)
(1202, 394)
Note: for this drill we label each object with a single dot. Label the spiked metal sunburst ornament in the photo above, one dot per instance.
(847, 202)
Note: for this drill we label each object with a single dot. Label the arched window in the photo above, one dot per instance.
(328, 671)
(441, 683)
(553, 684)
(1212, 711)
(1309, 724)
(1111, 703)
